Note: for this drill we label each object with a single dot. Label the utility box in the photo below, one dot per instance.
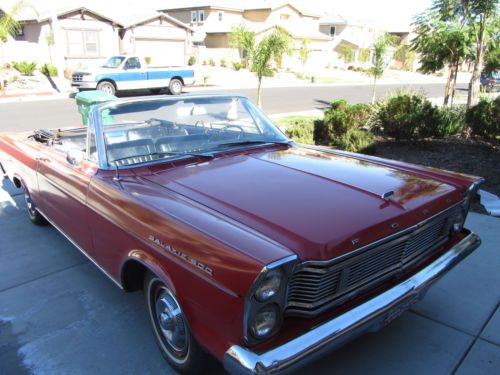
(86, 99)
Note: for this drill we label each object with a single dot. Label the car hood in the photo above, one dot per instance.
(319, 205)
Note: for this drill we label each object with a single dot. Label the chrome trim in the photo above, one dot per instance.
(370, 315)
(79, 248)
(380, 241)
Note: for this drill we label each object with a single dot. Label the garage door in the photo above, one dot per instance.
(162, 51)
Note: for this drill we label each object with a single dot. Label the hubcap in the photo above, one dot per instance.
(29, 204)
(171, 322)
(107, 89)
(177, 87)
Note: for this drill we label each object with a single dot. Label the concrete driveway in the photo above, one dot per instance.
(60, 315)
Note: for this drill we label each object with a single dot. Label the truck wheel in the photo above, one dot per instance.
(173, 336)
(175, 86)
(35, 216)
(107, 87)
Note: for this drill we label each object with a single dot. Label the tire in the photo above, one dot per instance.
(107, 86)
(175, 86)
(155, 91)
(171, 330)
(33, 214)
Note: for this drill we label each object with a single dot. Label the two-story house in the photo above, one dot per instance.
(213, 21)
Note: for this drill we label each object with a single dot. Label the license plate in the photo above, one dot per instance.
(398, 310)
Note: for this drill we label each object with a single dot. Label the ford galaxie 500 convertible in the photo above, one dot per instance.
(248, 246)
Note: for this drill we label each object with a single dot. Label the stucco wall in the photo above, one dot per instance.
(30, 47)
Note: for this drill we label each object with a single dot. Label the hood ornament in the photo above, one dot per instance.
(387, 194)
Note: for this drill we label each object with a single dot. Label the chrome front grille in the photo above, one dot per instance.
(318, 286)
(77, 77)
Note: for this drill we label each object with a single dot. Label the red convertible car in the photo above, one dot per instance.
(249, 247)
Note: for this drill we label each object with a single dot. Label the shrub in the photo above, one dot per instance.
(298, 128)
(237, 65)
(191, 60)
(407, 116)
(357, 140)
(24, 67)
(223, 63)
(211, 62)
(340, 118)
(484, 118)
(451, 121)
(49, 70)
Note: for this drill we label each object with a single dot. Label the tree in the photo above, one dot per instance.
(272, 45)
(9, 25)
(304, 51)
(380, 48)
(244, 40)
(479, 15)
(442, 42)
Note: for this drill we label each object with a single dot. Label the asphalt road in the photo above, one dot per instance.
(58, 113)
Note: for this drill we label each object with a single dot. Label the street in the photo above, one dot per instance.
(59, 113)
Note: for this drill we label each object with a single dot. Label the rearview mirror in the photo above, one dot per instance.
(75, 156)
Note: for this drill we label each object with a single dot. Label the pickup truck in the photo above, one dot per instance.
(123, 72)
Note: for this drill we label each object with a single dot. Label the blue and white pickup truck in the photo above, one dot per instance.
(125, 72)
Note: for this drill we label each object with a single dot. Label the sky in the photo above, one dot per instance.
(393, 12)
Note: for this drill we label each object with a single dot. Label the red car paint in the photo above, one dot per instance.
(233, 214)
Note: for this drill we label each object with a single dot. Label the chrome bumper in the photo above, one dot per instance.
(369, 316)
(84, 84)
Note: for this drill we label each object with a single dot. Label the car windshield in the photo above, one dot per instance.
(114, 62)
(143, 131)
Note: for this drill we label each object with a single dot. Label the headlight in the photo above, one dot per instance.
(270, 285)
(265, 321)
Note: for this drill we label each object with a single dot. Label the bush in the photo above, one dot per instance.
(451, 121)
(340, 118)
(191, 60)
(484, 118)
(211, 62)
(24, 67)
(237, 65)
(223, 63)
(407, 116)
(298, 128)
(357, 140)
(49, 70)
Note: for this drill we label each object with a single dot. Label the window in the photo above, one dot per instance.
(220, 15)
(133, 63)
(83, 43)
(194, 16)
(332, 31)
(201, 16)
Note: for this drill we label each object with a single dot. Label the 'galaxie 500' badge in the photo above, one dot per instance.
(181, 255)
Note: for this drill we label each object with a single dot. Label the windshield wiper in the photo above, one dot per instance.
(244, 143)
(160, 154)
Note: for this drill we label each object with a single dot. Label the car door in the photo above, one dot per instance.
(63, 190)
(134, 75)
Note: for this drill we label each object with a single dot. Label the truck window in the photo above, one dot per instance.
(133, 63)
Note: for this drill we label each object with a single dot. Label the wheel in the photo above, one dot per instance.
(171, 330)
(175, 86)
(35, 216)
(155, 91)
(107, 87)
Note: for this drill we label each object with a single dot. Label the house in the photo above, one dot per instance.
(350, 41)
(86, 35)
(213, 21)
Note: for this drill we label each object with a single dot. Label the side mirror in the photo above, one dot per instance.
(75, 156)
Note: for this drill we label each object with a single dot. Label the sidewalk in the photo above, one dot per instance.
(210, 78)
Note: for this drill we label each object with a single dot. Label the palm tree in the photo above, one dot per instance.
(8, 23)
(380, 48)
(244, 40)
(268, 49)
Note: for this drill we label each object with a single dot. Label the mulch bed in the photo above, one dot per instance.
(470, 156)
